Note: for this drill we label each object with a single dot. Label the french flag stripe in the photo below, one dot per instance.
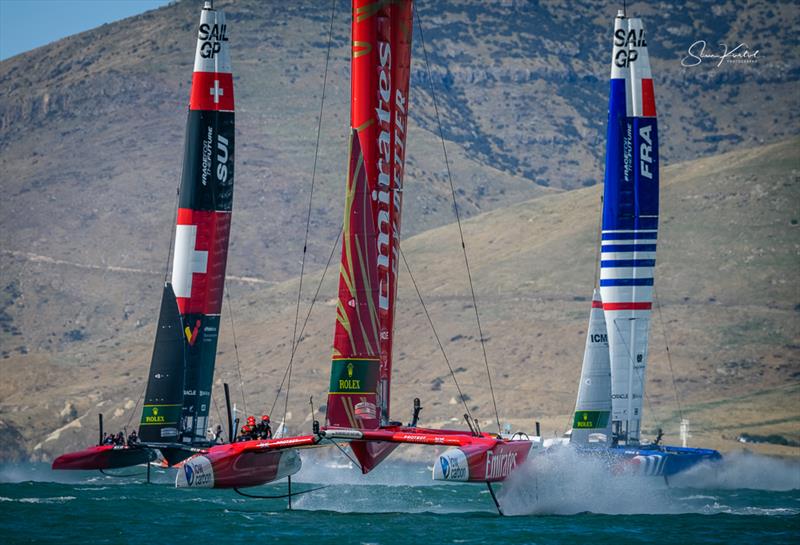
(626, 282)
(628, 263)
(648, 98)
(627, 306)
(628, 248)
(652, 235)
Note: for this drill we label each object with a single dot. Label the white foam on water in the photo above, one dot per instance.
(743, 470)
(334, 468)
(56, 499)
(563, 482)
(698, 497)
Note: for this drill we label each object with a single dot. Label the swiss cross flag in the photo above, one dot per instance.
(212, 91)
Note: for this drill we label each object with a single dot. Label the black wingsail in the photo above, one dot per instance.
(163, 399)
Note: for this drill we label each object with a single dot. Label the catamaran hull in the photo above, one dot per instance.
(478, 463)
(664, 461)
(229, 467)
(104, 457)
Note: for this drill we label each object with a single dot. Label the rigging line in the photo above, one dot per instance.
(337, 445)
(219, 415)
(638, 374)
(174, 230)
(435, 334)
(308, 314)
(236, 347)
(598, 244)
(133, 411)
(669, 354)
(458, 217)
(308, 215)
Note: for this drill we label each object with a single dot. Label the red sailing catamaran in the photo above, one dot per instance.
(358, 408)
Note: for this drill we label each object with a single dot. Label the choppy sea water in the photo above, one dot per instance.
(556, 499)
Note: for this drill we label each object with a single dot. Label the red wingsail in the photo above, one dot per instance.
(381, 62)
(360, 378)
(352, 401)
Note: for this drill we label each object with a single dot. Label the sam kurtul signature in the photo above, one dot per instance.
(699, 52)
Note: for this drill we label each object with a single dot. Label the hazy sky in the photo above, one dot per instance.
(27, 24)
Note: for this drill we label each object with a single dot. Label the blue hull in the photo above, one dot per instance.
(664, 461)
(652, 461)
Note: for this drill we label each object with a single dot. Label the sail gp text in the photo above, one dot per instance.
(212, 37)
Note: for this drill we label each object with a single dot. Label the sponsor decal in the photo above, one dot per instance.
(598, 338)
(197, 474)
(500, 465)
(354, 376)
(699, 52)
(191, 334)
(154, 415)
(222, 154)
(454, 466)
(222, 158)
(590, 419)
(169, 432)
(366, 409)
(455, 471)
(445, 466)
(189, 472)
(391, 154)
(212, 37)
(627, 152)
(206, 166)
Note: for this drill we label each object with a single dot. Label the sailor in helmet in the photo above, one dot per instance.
(246, 432)
(264, 429)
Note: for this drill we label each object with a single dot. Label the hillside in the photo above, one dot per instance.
(91, 131)
(727, 286)
(91, 126)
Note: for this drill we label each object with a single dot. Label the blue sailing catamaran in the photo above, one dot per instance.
(608, 412)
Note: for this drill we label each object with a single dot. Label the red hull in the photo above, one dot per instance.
(481, 458)
(483, 463)
(104, 457)
(248, 463)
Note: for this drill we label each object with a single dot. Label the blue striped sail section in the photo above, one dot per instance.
(627, 265)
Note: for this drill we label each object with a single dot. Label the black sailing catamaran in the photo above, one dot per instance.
(178, 396)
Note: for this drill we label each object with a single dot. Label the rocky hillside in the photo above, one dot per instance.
(91, 131)
(727, 288)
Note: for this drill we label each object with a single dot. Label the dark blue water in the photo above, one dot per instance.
(750, 500)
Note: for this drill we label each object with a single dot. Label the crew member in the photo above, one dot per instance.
(265, 431)
(246, 431)
(133, 439)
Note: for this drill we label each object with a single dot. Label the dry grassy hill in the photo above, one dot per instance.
(727, 284)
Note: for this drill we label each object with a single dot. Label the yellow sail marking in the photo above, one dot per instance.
(366, 49)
